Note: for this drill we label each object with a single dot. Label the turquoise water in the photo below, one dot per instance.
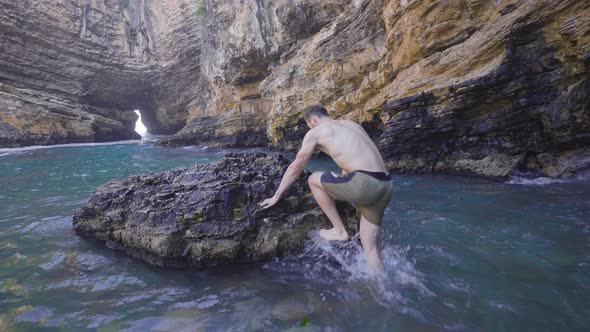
(460, 253)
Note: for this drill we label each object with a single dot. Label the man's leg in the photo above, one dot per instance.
(369, 233)
(328, 205)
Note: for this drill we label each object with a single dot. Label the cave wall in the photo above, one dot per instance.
(74, 70)
(243, 41)
(459, 86)
(470, 87)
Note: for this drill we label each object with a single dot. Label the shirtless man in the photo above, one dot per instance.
(364, 181)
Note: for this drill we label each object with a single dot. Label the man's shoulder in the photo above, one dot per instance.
(321, 130)
(312, 135)
(349, 123)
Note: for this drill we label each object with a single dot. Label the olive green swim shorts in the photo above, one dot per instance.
(369, 192)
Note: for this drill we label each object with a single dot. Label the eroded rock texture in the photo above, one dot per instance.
(243, 41)
(74, 70)
(470, 87)
(461, 86)
(205, 215)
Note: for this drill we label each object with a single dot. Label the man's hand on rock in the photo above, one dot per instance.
(269, 202)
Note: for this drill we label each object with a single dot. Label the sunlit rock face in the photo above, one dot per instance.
(471, 87)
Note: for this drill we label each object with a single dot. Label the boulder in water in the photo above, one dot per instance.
(205, 215)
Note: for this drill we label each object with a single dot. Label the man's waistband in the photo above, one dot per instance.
(377, 175)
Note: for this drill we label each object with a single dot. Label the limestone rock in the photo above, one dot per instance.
(242, 43)
(461, 86)
(204, 215)
(74, 70)
(469, 87)
(36, 118)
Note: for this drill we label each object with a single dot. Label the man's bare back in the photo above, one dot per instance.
(367, 184)
(348, 144)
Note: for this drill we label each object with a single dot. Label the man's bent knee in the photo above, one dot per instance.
(315, 179)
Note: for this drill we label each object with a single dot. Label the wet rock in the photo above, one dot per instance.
(225, 130)
(204, 215)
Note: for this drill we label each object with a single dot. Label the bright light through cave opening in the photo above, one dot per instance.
(139, 127)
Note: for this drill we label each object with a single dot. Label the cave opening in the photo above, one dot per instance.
(140, 127)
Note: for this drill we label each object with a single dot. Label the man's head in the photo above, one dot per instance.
(315, 114)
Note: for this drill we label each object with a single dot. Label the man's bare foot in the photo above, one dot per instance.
(333, 235)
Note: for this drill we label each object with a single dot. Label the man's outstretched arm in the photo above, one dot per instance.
(294, 169)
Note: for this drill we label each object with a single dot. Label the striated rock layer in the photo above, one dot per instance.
(470, 87)
(461, 86)
(74, 70)
(205, 215)
(243, 41)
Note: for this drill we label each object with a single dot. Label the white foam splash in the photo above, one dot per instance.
(527, 179)
(196, 147)
(147, 137)
(353, 263)
(343, 262)
(13, 151)
(540, 181)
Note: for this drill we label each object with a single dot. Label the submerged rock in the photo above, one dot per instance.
(205, 215)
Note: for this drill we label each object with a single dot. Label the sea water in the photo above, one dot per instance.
(460, 254)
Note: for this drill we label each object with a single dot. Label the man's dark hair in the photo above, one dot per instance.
(317, 110)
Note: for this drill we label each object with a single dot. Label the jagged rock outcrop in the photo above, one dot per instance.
(468, 87)
(205, 215)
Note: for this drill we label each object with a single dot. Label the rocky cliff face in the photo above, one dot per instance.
(471, 87)
(243, 41)
(74, 70)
